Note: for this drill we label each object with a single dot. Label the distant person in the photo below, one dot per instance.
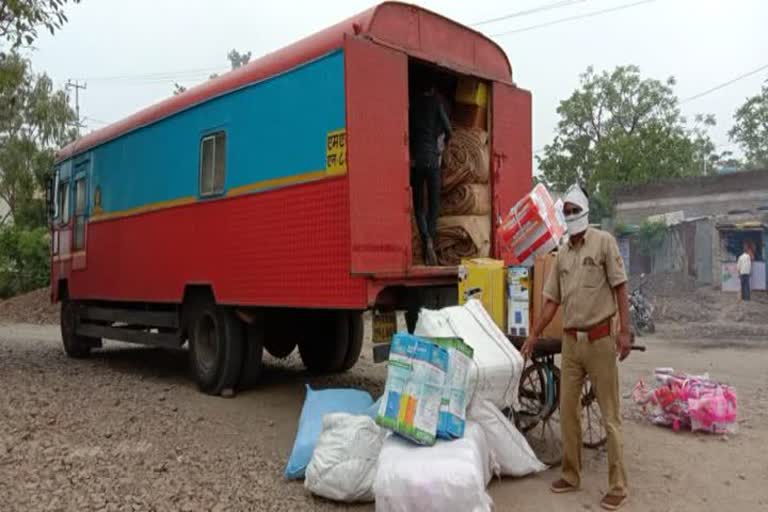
(744, 266)
(428, 122)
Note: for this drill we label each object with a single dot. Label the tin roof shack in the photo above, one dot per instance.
(733, 236)
(707, 219)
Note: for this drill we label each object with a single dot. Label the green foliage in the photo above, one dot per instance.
(651, 236)
(24, 259)
(236, 60)
(751, 129)
(34, 120)
(21, 19)
(619, 129)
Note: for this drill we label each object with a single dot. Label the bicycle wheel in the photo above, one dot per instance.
(532, 397)
(593, 433)
(540, 384)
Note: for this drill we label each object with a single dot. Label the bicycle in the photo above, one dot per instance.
(539, 396)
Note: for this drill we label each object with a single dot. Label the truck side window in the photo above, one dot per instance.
(63, 203)
(212, 164)
(80, 195)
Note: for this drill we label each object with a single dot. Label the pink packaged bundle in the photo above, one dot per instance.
(687, 401)
(714, 409)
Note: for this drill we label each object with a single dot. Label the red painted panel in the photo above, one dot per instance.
(286, 247)
(511, 146)
(377, 134)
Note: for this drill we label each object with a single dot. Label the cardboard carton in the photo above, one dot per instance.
(542, 267)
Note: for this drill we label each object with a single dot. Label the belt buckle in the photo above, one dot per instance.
(582, 336)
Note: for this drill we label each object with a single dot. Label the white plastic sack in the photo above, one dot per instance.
(343, 464)
(509, 449)
(495, 376)
(451, 475)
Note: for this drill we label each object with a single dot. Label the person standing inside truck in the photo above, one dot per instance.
(744, 266)
(428, 122)
(589, 282)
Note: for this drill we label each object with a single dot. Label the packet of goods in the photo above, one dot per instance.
(453, 406)
(414, 389)
(533, 226)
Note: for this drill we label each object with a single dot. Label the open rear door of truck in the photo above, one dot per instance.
(377, 135)
(511, 146)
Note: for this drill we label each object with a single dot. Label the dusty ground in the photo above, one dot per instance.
(127, 430)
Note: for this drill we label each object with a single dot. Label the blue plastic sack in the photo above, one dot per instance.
(316, 405)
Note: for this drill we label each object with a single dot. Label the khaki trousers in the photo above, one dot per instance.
(596, 359)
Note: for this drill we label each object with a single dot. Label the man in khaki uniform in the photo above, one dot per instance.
(589, 282)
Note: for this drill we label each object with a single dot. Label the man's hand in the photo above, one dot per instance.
(527, 349)
(623, 345)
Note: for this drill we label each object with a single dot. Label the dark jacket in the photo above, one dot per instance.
(428, 121)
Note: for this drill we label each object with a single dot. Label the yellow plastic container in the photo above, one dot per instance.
(472, 92)
(485, 279)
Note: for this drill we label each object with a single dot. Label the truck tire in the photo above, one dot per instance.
(215, 348)
(324, 345)
(75, 345)
(253, 354)
(281, 332)
(356, 326)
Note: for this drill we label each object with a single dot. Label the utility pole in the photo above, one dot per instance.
(76, 85)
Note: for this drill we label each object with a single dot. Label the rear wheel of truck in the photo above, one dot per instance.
(325, 343)
(75, 345)
(282, 330)
(215, 348)
(355, 325)
(253, 352)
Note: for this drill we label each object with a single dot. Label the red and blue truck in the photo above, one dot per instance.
(268, 208)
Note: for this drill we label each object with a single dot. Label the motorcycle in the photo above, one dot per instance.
(641, 310)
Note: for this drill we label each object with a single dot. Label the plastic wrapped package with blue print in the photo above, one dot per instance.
(453, 407)
(316, 405)
(414, 389)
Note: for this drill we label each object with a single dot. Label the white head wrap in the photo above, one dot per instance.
(580, 221)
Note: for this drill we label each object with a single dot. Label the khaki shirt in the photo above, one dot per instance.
(583, 278)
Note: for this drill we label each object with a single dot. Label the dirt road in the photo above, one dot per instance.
(127, 430)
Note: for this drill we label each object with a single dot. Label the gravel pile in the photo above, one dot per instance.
(703, 311)
(31, 308)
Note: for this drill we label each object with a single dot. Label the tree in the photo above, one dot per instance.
(35, 119)
(20, 19)
(751, 129)
(236, 60)
(620, 129)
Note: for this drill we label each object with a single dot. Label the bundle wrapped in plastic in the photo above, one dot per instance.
(533, 226)
(684, 401)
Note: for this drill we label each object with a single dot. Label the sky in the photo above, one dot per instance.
(130, 52)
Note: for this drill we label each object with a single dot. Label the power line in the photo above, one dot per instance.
(573, 18)
(547, 7)
(724, 84)
(178, 74)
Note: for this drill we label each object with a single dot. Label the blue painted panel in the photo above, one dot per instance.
(276, 128)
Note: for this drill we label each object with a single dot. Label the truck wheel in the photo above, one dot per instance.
(355, 325)
(281, 332)
(253, 352)
(323, 347)
(215, 348)
(75, 345)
